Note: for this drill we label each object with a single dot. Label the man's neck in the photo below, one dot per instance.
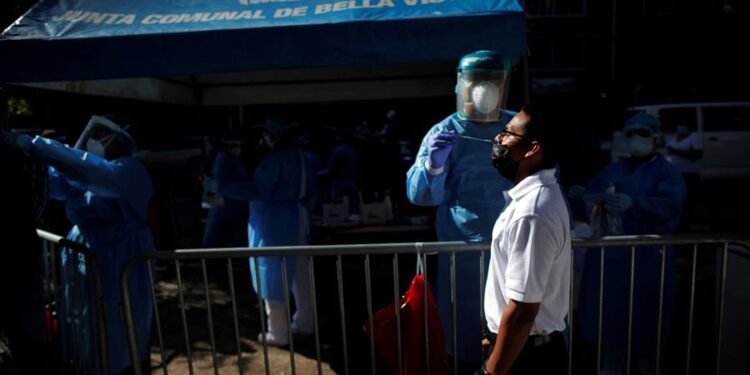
(523, 173)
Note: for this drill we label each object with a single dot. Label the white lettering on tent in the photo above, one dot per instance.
(79, 17)
(352, 5)
(186, 17)
(112, 18)
(95, 17)
(129, 19)
(169, 18)
(282, 12)
(208, 17)
(227, 16)
(290, 12)
(151, 19)
(62, 17)
(251, 15)
(68, 16)
(165, 19)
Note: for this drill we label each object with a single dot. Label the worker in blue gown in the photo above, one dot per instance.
(341, 173)
(281, 193)
(456, 175)
(648, 193)
(106, 193)
(226, 222)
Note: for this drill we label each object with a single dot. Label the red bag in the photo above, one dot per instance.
(411, 312)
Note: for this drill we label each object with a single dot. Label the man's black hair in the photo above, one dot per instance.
(540, 128)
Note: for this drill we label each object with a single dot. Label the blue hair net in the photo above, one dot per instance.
(642, 120)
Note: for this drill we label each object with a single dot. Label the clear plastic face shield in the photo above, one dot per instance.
(100, 132)
(481, 95)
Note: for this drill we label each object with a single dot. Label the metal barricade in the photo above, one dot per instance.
(337, 252)
(395, 251)
(690, 244)
(72, 281)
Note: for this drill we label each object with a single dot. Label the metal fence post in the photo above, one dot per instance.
(93, 276)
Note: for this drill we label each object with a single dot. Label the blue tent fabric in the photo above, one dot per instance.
(97, 39)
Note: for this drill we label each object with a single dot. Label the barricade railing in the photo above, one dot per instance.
(73, 282)
(720, 245)
(646, 243)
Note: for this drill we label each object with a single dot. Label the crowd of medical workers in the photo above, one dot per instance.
(106, 191)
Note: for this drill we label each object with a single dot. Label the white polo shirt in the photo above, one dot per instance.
(530, 260)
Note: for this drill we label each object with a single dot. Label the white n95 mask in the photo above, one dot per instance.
(485, 96)
(640, 146)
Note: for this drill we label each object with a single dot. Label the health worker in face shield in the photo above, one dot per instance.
(106, 193)
(226, 223)
(281, 192)
(647, 192)
(453, 171)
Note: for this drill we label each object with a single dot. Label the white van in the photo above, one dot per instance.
(724, 127)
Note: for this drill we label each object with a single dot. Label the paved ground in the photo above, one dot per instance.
(196, 312)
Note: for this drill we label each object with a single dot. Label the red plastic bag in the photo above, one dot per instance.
(412, 332)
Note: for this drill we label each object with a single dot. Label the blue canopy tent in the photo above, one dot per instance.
(219, 52)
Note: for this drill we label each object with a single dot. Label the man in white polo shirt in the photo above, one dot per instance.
(527, 290)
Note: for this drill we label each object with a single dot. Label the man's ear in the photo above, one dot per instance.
(536, 148)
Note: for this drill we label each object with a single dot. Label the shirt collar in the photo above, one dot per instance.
(532, 182)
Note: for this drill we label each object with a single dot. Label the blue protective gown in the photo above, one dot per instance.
(226, 226)
(280, 195)
(107, 203)
(469, 196)
(658, 192)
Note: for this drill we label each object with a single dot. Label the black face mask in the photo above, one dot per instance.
(502, 161)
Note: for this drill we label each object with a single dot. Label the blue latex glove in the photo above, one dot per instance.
(618, 201)
(211, 185)
(440, 146)
(576, 192)
(17, 140)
